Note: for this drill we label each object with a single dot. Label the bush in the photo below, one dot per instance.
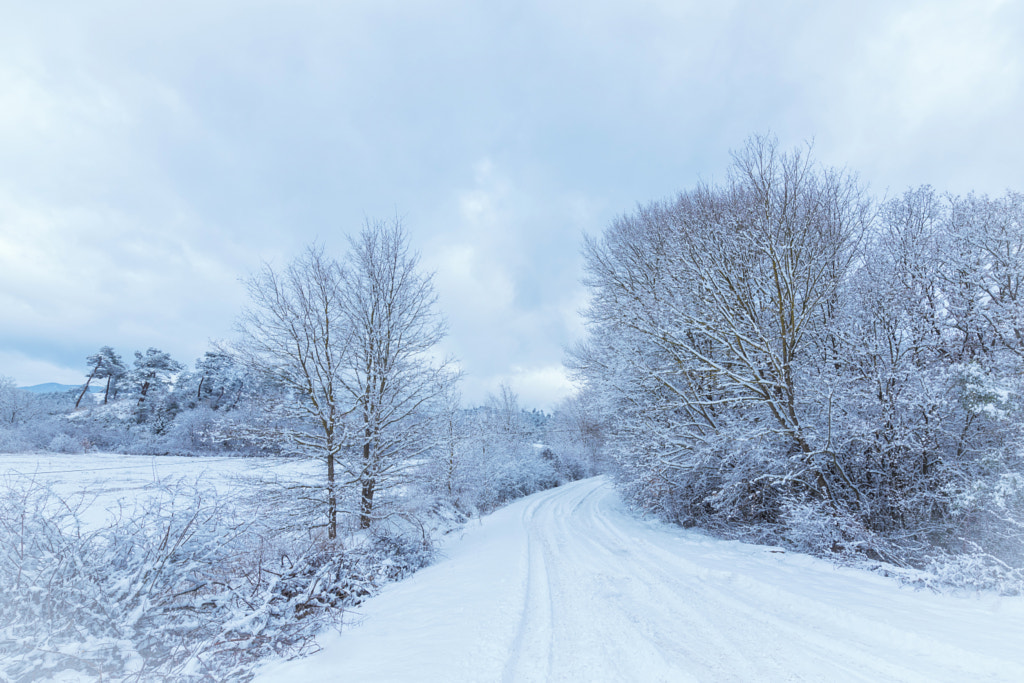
(189, 585)
(63, 443)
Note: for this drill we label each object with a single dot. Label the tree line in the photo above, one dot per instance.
(335, 359)
(786, 358)
(779, 357)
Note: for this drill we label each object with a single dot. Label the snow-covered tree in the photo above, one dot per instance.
(104, 364)
(296, 333)
(219, 379)
(388, 375)
(707, 304)
(452, 470)
(15, 403)
(351, 341)
(152, 370)
(511, 463)
(576, 434)
(776, 350)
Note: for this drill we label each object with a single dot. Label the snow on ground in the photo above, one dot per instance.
(107, 479)
(567, 585)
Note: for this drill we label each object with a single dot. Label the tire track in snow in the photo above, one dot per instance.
(530, 653)
(744, 628)
(631, 598)
(693, 622)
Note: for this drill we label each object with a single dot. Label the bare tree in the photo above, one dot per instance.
(451, 464)
(351, 341)
(780, 353)
(713, 300)
(15, 403)
(388, 375)
(296, 332)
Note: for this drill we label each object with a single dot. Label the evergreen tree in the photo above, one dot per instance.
(153, 369)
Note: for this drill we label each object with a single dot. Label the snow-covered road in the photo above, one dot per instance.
(567, 585)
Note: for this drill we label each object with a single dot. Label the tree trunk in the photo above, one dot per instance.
(87, 382)
(142, 394)
(366, 493)
(332, 499)
(366, 504)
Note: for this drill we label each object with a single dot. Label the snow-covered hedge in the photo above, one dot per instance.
(189, 585)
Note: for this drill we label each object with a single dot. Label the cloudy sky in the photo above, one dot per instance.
(152, 154)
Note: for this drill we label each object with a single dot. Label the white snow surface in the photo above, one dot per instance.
(568, 585)
(108, 480)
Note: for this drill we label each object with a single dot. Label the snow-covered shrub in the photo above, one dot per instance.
(513, 477)
(576, 436)
(976, 571)
(819, 529)
(14, 441)
(65, 443)
(192, 430)
(188, 585)
(487, 456)
(396, 555)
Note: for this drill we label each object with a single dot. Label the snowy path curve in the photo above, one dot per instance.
(567, 585)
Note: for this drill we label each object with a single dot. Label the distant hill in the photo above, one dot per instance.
(54, 388)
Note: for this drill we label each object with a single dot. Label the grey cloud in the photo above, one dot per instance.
(150, 155)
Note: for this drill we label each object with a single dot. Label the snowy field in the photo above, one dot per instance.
(106, 480)
(566, 585)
